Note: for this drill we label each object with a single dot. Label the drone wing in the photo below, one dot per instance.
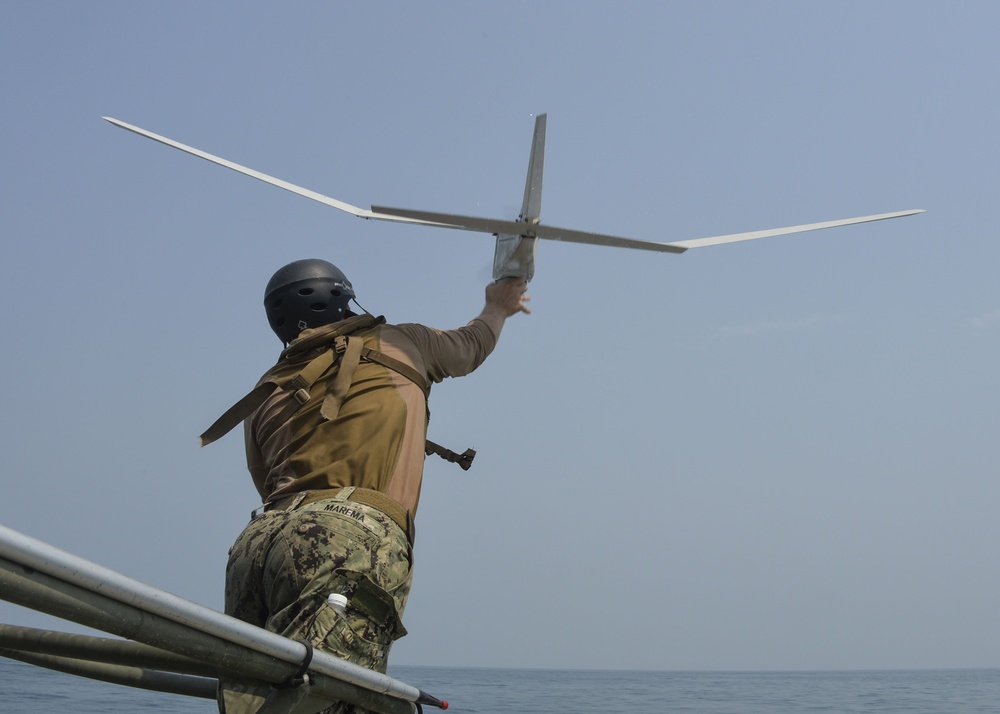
(341, 205)
(736, 237)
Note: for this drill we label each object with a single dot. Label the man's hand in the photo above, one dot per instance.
(508, 297)
(504, 298)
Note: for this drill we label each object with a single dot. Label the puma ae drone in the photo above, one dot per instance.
(516, 241)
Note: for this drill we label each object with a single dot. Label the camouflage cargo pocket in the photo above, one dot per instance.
(367, 628)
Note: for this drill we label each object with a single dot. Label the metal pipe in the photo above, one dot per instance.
(59, 564)
(100, 649)
(137, 677)
(30, 588)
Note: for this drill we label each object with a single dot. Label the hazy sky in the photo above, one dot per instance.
(780, 454)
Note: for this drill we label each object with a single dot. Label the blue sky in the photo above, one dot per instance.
(773, 455)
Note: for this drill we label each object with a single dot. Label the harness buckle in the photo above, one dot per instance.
(301, 396)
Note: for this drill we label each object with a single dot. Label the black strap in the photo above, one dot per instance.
(298, 679)
(464, 460)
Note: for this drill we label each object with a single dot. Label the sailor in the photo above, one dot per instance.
(335, 441)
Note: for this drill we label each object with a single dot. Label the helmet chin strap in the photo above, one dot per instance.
(355, 301)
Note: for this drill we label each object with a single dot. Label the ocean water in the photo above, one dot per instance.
(25, 689)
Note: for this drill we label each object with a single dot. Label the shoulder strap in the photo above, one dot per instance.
(298, 385)
(396, 365)
(237, 413)
(349, 350)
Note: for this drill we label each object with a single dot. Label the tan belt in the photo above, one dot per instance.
(370, 497)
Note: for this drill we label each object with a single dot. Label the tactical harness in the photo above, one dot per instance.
(348, 351)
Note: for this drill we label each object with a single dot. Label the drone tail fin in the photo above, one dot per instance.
(515, 254)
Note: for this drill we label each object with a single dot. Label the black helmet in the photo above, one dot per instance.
(306, 293)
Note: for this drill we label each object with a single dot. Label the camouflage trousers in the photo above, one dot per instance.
(286, 563)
